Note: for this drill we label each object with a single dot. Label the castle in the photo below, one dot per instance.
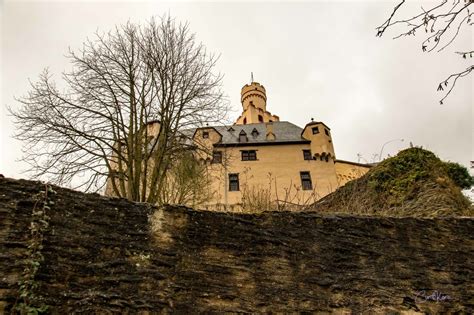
(261, 157)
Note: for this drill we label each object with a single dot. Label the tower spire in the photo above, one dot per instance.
(251, 77)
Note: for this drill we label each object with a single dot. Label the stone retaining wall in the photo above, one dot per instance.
(105, 255)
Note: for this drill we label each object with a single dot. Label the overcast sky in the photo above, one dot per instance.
(315, 59)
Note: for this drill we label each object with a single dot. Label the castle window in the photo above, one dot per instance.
(315, 130)
(216, 157)
(245, 120)
(243, 136)
(306, 181)
(205, 134)
(326, 132)
(233, 182)
(254, 132)
(249, 155)
(260, 118)
(307, 155)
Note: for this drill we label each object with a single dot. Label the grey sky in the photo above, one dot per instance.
(316, 59)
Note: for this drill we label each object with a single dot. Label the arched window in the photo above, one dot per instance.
(260, 118)
(245, 120)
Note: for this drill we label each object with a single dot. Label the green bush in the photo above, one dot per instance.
(459, 174)
(400, 175)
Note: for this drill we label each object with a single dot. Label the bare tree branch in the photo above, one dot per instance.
(120, 83)
(442, 23)
(451, 80)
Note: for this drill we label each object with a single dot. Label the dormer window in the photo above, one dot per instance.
(315, 130)
(243, 137)
(254, 133)
(230, 129)
(205, 134)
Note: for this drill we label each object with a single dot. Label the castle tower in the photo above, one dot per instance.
(253, 94)
(322, 146)
(254, 104)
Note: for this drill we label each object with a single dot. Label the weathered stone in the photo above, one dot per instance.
(105, 255)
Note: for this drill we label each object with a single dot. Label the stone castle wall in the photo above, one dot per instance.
(104, 255)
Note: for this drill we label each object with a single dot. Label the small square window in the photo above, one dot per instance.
(315, 130)
(216, 157)
(233, 182)
(306, 183)
(205, 134)
(307, 155)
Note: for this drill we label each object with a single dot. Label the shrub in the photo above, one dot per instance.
(459, 174)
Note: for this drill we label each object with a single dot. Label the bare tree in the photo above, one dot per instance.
(441, 23)
(188, 182)
(121, 82)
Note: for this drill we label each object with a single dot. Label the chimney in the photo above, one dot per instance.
(270, 135)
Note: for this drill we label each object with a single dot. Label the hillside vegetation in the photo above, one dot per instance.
(413, 183)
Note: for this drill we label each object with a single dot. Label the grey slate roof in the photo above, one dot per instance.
(284, 132)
